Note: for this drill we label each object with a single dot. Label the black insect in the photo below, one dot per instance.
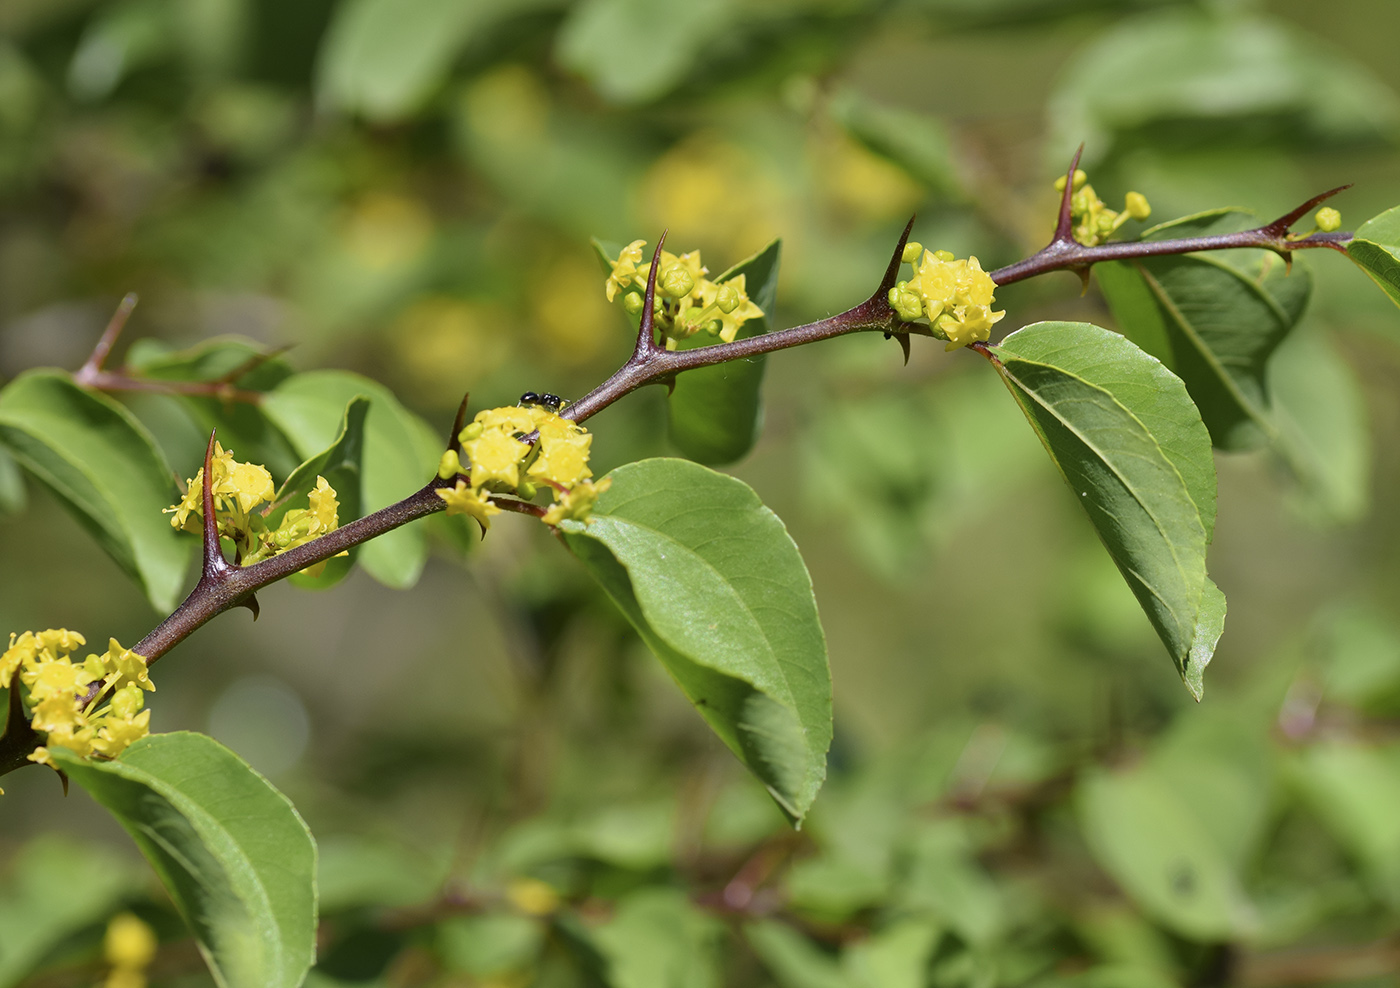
(546, 400)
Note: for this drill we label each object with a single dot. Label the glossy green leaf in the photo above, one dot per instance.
(103, 466)
(340, 466)
(716, 412)
(55, 887)
(1132, 447)
(241, 364)
(714, 584)
(1376, 250)
(232, 852)
(1213, 318)
(400, 454)
(384, 58)
(659, 939)
(1163, 856)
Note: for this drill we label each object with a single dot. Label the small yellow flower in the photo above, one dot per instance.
(624, 269)
(127, 666)
(463, 500)
(577, 502)
(495, 457)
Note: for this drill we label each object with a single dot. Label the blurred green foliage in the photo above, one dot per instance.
(1019, 793)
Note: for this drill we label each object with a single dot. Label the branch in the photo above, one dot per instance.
(1064, 253)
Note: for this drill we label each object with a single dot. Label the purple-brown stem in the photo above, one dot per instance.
(223, 585)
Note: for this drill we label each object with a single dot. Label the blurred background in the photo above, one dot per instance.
(507, 789)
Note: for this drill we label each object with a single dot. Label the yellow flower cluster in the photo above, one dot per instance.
(954, 296)
(58, 691)
(1094, 222)
(516, 450)
(238, 488)
(686, 301)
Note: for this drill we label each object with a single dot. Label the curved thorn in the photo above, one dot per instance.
(903, 339)
(892, 272)
(215, 565)
(1064, 226)
(646, 338)
(1280, 226)
(251, 602)
(454, 441)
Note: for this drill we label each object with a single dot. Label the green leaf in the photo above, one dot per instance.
(716, 412)
(384, 58)
(714, 584)
(658, 939)
(242, 364)
(1162, 854)
(13, 497)
(916, 142)
(633, 51)
(340, 466)
(55, 887)
(232, 852)
(1132, 447)
(103, 466)
(1193, 78)
(489, 946)
(792, 959)
(400, 454)
(1355, 790)
(1213, 318)
(1376, 250)
(1324, 434)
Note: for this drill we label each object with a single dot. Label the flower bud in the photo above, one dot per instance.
(449, 465)
(944, 255)
(677, 282)
(727, 298)
(1080, 177)
(911, 253)
(1328, 219)
(526, 489)
(633, 302)
(473, 430)
(1135, 204)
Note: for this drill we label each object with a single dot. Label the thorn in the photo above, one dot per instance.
(1280, 226)
(646, 335)
(251, 602)
(1084, 280)
(98, 357)
(454, 443)
(215, 565)
(903, 339)
(63, 777)
(1287, 263)
(1064, 226)
(892, 272)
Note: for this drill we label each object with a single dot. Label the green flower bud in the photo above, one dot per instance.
(526, 489)
(677, 281)
(1328, 219)
(1135, 205)
(727, 299)
(472, 431)
(944, 255)
(911, 253)
(633, 302)
(449, 465)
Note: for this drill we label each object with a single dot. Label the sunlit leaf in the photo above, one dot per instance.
(1213, 318)
(232, 852)
(712, 581)
(1134, 451)
(340, 465)
(1376, 250)
(103, 466)
(716, 412)
(400, 454)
